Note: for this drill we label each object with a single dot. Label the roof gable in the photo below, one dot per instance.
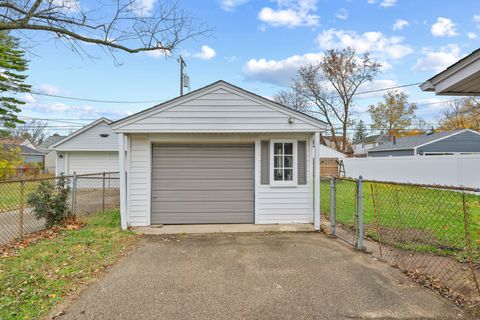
(219, 107)
(97, 136)
(413, 142)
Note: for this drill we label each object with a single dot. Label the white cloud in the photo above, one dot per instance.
(400, 24)
(379, 84)
(73, 110)
(230, 5)
(384, 3)
(476, 19)
(49, 88)
(278, 72)
(444, 27)
(67, 5)
(374, 42)
(206, 53)
(437, 60)
(471, 35)
(28, 98)
(291, 14)
(143, 7)
(342, 14)
(388, 3)
(158, 53)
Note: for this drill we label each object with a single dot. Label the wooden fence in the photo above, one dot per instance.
(329, 167)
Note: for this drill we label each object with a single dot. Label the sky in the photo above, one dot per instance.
(257, 45)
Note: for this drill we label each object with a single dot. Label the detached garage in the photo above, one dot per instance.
(219, 154)
(92, 149)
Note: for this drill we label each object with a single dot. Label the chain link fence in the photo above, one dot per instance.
(430, 232)
(89, 193)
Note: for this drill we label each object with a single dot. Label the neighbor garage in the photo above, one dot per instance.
(202, 184)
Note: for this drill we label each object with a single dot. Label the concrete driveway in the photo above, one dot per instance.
(254, 276)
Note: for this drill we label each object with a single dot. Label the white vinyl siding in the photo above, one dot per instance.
(285, 204)
(219, 110)
(291, 204)
(138, 180)
(90, 140)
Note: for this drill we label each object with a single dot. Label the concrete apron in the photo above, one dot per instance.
(222, 228)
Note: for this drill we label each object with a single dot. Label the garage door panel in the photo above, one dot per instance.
(180, 163)
(196, 195)
(202, 206)
(202, 184)
(180, 185)
(204, 173)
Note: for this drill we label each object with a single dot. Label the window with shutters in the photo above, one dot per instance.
(283, 162)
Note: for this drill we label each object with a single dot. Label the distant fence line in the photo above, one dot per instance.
(452, 170)
(89, 193)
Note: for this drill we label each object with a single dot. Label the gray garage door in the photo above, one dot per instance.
(202, 184)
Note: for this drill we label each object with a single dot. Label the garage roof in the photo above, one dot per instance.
(462, 78)
(226, 97)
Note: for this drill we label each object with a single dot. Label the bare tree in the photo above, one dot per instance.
(34, 130)
(331, 84)
(292, 99)
(128, 25)
(461, 113)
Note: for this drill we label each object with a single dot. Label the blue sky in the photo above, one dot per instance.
(258, 45)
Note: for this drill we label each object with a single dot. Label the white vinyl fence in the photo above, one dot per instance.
(452, 170)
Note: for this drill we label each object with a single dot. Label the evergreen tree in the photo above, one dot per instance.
(12, 65)
(360, 131)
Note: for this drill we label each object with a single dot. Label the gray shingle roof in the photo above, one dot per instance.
(43, 147)
(23, 149)
(413, 141)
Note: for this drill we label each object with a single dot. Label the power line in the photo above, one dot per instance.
(91, 99)
(163, 100)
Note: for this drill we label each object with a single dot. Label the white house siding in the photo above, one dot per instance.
(50, 159)
(90, 140)
(272, 204)
(84, 162)
(217, 111)
(138, 191)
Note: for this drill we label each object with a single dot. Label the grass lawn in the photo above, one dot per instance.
(10, 194)
(43, 273)
(416, 218)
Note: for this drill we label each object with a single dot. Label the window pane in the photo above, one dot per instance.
(278, 148)
(288, 148)
(288, 162)
(278, 175)
(288, 174)
(277, 162)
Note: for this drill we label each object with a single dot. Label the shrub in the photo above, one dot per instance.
(50, 201)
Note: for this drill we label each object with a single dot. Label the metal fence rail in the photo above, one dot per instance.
(431, 232)
(89, 193)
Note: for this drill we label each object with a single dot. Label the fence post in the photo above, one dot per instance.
(360, 214)
(103, 193)
(22, 209)
(332, 207)
(74, 192)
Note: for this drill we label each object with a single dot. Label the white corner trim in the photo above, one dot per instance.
(256, 167)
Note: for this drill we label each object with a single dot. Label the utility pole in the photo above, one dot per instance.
(182, 65)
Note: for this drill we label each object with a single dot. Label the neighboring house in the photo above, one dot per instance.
(361, 147)
(329, 141)
(462, 78)
(29, 155)
(92, 149)
(50, 156)
(461, 141)
(219, 154)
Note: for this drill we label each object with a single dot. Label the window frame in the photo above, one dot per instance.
(291, 183)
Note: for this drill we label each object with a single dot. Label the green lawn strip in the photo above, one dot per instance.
(10, 194)
(430, 219)
(42, 274)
